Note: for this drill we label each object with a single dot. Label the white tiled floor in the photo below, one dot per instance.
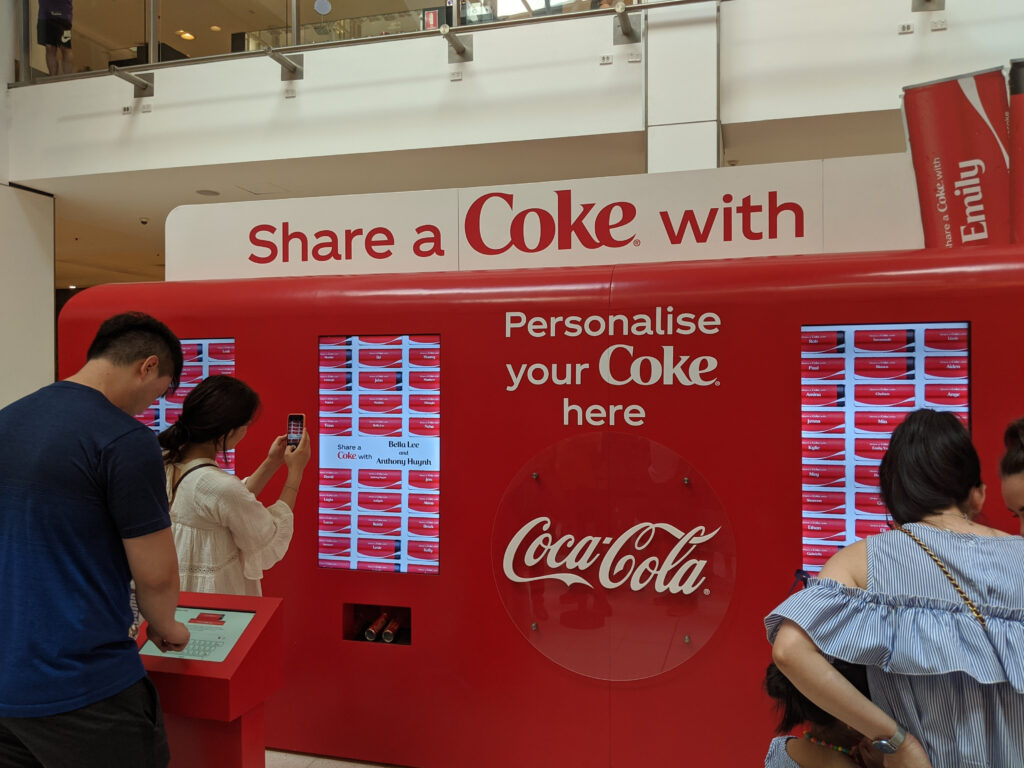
(296, 760)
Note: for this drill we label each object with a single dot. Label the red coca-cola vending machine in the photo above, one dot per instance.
(575, 493)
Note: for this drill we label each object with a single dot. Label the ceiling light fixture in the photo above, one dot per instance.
(214, 28)
(187, 36)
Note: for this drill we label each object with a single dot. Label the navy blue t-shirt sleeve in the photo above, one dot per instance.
(136, 490)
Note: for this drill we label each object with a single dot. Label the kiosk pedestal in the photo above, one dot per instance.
(212, 693)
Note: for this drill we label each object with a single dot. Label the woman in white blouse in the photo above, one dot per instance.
(224, 535)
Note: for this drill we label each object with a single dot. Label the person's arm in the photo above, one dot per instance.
(258, 480)
(154, 566)
(799, 659)
(295, 459)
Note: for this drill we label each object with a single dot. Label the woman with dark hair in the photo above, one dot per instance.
(827, 743)
(1011, 469)
(933, 608)
(224, 536)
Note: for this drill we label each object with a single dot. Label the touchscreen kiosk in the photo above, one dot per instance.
(214, 633)
(212, 692)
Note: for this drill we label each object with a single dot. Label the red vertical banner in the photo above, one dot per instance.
(1017, 148)
(959, 142)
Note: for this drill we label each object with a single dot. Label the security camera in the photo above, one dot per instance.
(143, 221)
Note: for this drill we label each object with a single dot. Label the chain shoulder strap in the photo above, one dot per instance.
(945, 570)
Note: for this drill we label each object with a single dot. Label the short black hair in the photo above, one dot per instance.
(795, 708)
(132, 336)
(1013, 440)
(930, 465)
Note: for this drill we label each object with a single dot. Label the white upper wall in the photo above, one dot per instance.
(798, 58)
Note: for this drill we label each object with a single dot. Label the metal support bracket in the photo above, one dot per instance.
(291, 66)
(625, 26)
(460, 49)
(144, 84)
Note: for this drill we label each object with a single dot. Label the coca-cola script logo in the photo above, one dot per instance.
(613, 556)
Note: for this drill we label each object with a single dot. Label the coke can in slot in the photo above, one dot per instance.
(1017, 148)
(391, 630)
(376, 627)
(957, 131)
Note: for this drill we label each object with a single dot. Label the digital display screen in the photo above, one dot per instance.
(214, 632)
(858, 382)
(202, 358)
(380, 449)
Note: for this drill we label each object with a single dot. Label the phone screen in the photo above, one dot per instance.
(295, 423)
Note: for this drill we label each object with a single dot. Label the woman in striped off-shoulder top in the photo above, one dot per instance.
(934, 609)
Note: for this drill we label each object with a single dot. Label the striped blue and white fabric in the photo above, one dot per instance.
(777, 756)
(958, 687)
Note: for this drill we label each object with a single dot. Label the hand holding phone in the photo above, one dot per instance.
(296, 424)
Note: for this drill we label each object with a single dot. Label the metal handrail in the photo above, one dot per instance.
(483, 27)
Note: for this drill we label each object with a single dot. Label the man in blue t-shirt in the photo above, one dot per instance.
(83, 510)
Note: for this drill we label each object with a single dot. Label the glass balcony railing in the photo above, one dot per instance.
(105, 32)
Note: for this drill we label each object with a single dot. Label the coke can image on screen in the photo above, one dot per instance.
(381, 357)
(822, 368)
(957, 131)
(380, 478)
(823, 395)
(946, 339)
(336, 524)
(824, 475)
(369, 425)
(823, 502)
(376, 565)
(425, 357)
(327, 342)
(191, 374)
(869, 527)
(336, 358)
(884, 394)
(222, 351)
(822, 342)
(379, 525)
(335, 382)
(379, 340)
(823, 448)
(946, 367)
(424, 550)
(335, 404)
(428, 527)
(425, 479)
(430, 380)
(824, 528)
(336, 478)
(371, 403)
(884, 368)
(822, 422)
(223, 369)
(379, 548)
(884, 340)
(869, 503)
(337, 426)
(425, 338)
(879, 422)
(334, 501)
(340, 563)
(425, 403)
(1017, 148)
(866, 475)
(335, 546)
(871, 448)
(191, 353)
(424, 427)
(816, 555)
(380, 502)
(383, 380)
(946, 394)
(425, 503)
